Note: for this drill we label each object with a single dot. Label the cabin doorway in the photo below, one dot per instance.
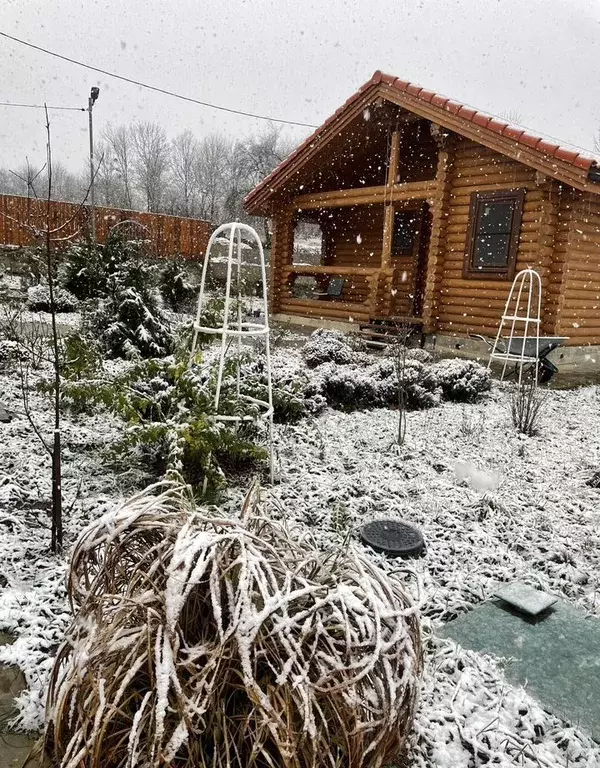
(410, 246)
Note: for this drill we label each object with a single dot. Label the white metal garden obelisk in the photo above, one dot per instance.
(518, 337)
(234, 326)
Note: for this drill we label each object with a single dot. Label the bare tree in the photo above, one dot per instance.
(256, 158)
(119, 163)
(184, 159)
(212, 175)
(28, 179)
(152, 158)
(48, 238)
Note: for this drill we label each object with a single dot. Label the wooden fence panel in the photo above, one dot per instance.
(170, 235)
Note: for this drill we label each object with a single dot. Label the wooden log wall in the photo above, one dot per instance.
(170, 235)
(476, 305)
(579, 314)
(353, 236)
(282, 254)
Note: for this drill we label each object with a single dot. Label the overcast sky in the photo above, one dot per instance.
(294, 59)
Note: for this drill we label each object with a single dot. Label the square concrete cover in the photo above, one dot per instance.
(556, 657)
(524, 598)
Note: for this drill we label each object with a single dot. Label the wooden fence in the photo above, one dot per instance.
(169, 235)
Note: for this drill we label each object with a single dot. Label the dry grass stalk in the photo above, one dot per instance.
(201, 641)
(526, 405)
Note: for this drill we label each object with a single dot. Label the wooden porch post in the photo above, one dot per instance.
(437, 241)
(388, 213)
(551, 262)
(282, 248)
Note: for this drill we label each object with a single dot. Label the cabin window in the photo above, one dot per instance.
(406, 228)
(493, 233)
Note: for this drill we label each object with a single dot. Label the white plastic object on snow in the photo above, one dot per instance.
(518, 337)
(238, 328)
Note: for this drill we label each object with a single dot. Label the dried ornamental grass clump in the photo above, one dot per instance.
(201, 641)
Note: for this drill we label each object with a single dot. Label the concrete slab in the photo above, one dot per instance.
(525, 598)
(555, 656)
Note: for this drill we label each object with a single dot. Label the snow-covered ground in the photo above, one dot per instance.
(540, 522)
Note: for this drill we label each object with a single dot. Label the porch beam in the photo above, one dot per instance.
(330, 270)
(342, 198)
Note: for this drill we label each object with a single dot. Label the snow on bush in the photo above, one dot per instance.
(175, 288)
(421, 355)
(202, 640)
(352, 387)
(293, 397)
(129, 321)
(462, 380)
(38, 299)
(326, 346)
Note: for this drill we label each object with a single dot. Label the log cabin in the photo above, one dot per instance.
(426, 209)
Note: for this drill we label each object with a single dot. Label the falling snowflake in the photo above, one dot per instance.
(404, 277)
(359, 239)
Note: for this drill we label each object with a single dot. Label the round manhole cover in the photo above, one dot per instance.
(393, 537)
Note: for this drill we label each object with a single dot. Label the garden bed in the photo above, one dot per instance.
(492, 505)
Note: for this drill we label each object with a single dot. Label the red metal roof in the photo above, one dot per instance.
(573, 156)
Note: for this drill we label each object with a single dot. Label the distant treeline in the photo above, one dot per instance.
(140, 168)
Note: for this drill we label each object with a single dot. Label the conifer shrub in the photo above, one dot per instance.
(38, 299)
(167, 409)
(462, 380)
(325, 346)
(176, 290)
(85, 268)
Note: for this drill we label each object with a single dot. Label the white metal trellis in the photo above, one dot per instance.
(239, 328)
(522, 320)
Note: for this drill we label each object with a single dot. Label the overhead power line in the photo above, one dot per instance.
(155, 88)
(41, 106)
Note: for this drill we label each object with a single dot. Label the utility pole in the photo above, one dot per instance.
(91, 101)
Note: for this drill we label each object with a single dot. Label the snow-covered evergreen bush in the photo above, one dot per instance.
(129, 321)
(326, 346)
(84, 269)
(293, 398)
(202, 640)
(38, 299)
(174, 285)
(352, 387)
(167, 410)
(462, 380)
(421, 355)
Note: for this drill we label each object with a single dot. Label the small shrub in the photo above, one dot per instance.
(81, 357)
(462, 380)
(38, 299)
(11, 353)
(420, 355)
(526, 405)
(352, 387)
(177, 292)
(167, 409)
(326, 346)
(291, 393)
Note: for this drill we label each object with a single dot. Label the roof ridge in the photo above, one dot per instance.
(549, 147)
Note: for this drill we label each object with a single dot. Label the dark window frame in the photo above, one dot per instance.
(478, 199)
(417, 212)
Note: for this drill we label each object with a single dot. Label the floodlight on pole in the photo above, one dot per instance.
(94, 93)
